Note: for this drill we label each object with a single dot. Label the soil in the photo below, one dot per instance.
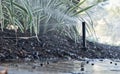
(50, 46)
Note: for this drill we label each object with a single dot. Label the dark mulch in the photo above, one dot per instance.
(51, 46)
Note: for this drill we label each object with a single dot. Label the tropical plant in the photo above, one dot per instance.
(41, 16)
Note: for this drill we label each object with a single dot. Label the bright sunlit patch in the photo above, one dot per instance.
(113, 4)
(107, 28)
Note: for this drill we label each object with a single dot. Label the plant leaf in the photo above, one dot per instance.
(82, 10)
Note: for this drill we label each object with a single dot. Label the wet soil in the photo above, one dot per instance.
(50, 46)
(95, 66)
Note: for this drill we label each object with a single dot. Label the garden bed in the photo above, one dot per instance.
(50, 46)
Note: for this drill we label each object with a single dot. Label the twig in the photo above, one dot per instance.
(19, 37)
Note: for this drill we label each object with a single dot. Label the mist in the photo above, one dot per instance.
(106, 19)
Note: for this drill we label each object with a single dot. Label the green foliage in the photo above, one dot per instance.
(41, 16)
